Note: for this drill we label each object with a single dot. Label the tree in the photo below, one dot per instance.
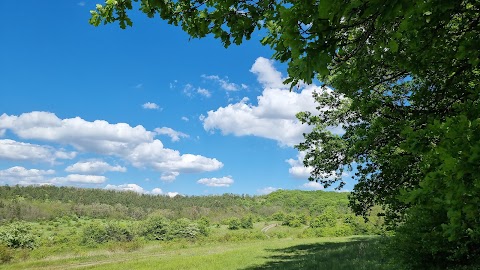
(405, 77)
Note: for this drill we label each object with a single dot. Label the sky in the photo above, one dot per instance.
(145, 109)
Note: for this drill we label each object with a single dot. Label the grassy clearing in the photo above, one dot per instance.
(319, 253)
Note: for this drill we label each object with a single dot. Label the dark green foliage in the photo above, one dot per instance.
(246, 222)
(17, 235)
(155, 228)
(49, 202)
(234, 224)
(160, 228)
(292, 220)
(421, 244)
(183, 228)
(98, 233)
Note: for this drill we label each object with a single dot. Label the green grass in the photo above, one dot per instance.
(318, 253)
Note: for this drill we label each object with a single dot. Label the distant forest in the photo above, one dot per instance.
(31, 203)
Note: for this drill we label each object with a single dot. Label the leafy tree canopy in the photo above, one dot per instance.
(406, 81)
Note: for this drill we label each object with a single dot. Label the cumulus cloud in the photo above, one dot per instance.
(267, 190)
(94, 167)
(243, 119)
(98, 136)
(156, 191)
(79, 178)
(274, 116)
(173, 134)
(22, 176)
(312, 185)
(154, 155)
(224, 83)
(133, 144)
(126, 187)
(169, 176)
(150, 106)
(20, 151)
(225, 181)
(267, 75)
(184, 118)
(134, 188)
(297, 169)
(172, 194)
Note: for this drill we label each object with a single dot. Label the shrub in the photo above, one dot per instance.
(246, 222)
(155, 228)
(18, 235)
(183, 228)
(234, 224)
(292, 220)
(98, 233)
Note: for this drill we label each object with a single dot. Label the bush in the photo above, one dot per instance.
(18, 235)
(420, 243)
(155, 228)
(292, 220)
(246, 222)
(234, 224)
(98, 233)
(183, 228)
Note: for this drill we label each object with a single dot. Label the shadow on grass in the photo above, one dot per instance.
(359, 253)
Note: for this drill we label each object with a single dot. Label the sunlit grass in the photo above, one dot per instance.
(319, 253)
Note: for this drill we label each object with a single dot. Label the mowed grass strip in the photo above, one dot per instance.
(318, 253)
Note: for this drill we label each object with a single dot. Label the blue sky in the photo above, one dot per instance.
(144, 109)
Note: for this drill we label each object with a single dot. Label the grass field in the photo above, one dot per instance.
(287, 253)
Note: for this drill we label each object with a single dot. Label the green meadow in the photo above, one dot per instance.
(287, 253)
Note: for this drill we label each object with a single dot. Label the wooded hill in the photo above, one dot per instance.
(47, 202)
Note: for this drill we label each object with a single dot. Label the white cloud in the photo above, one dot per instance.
(134, 144)
(82, 3)
(267, 120)
(224, 83)
(267, 190)
(274, 116)
(267, 75)
(297, 169)
(94, 167)
(126, 187)
(312, 185)
(135, 188)
(98, 136)
(184, 118)
(22, 176)
(20, 151)
(150, 106)
(79, 178)
(172, 194)
(225, 181)
(155, 156)
(169, 176)
(174, 135)
(156, 191)
(204, 92)
(2, 132)
(188, 89)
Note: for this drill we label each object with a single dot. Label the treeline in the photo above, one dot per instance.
(32, 203)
